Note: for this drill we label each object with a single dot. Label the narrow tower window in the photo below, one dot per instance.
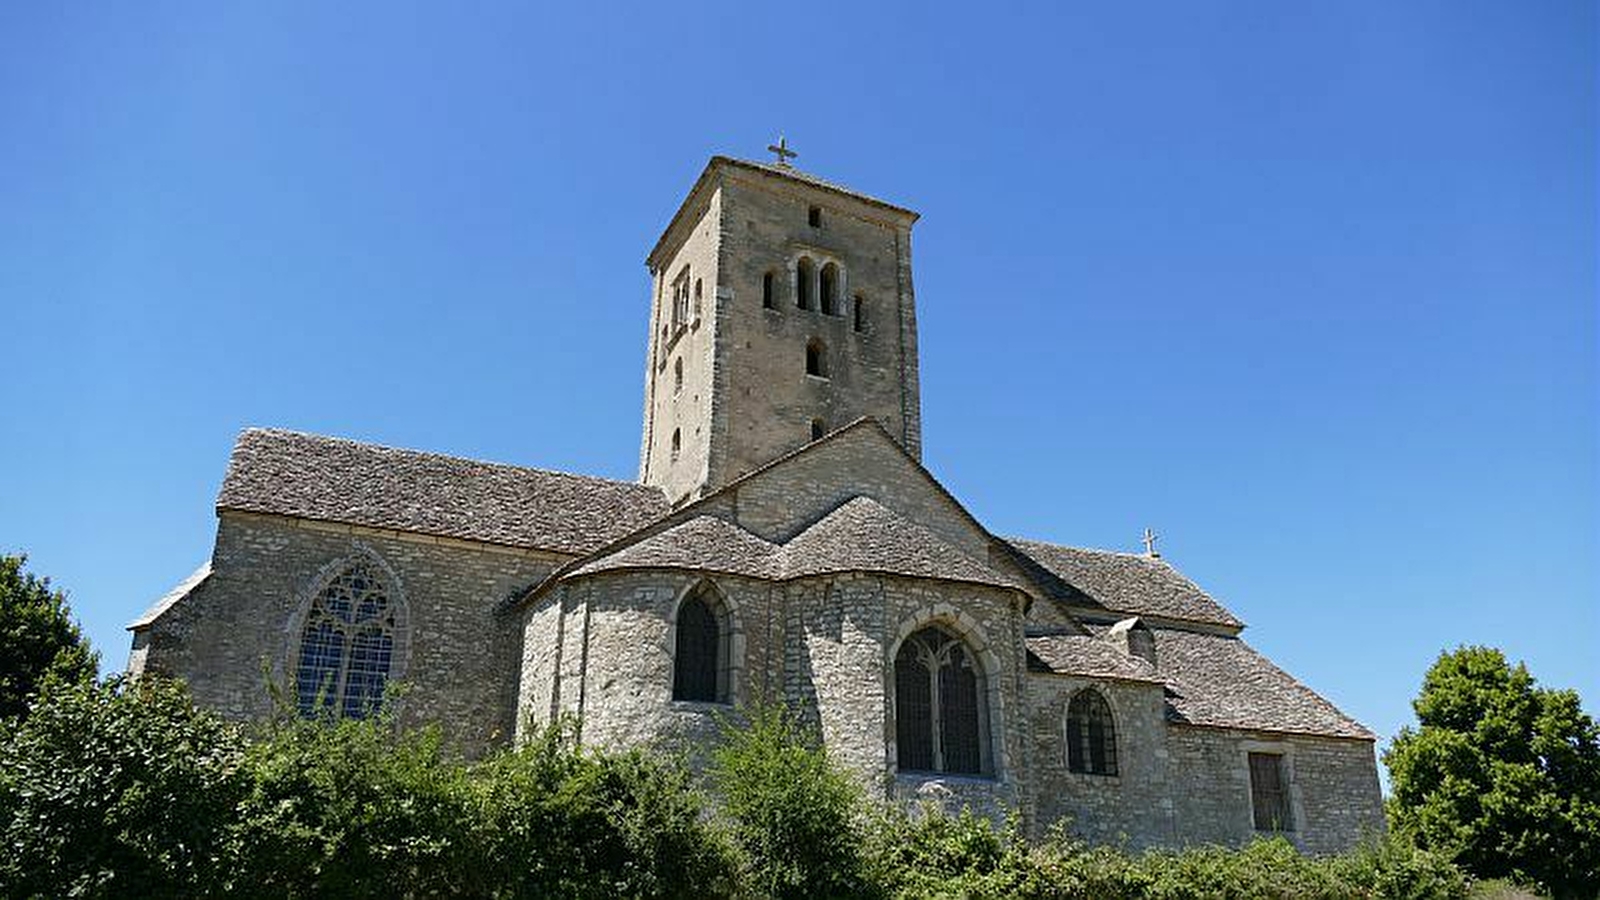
(861, 313)
(817, 429)
(814, 216)
(817, 358)
(830, 290)
(768, 301)
(803, 274)
(677, 443)
(697, 298)
(677, 376)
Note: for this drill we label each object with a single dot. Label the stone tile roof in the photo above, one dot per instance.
(1087, 655)
(1120, 582)
(704, 542)
(864, 535)
(335, 480)
(184, 589)
(861, 535)
(1218, 680)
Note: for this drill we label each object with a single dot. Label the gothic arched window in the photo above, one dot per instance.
(347, 645)
(830, 289)
(700, 658)
(1091, 734)
(940, 719)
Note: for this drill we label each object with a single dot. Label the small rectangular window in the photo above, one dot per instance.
(1269, 792)
(815, 217)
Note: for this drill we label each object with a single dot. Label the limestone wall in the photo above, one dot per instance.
(824, 645)
(670, 405)
(460, 659)
(1133, 808)
(1333, 787)
(768, 399)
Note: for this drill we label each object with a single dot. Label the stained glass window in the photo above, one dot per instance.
(346, 645)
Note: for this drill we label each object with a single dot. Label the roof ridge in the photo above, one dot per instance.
(434, 454)
(1129, 553)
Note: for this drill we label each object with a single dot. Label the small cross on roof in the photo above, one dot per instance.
(782, 149)
(1150, 538)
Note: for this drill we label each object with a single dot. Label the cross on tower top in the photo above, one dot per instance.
(782, 149)
(1150, 543)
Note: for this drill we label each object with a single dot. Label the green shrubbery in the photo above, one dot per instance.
(126, 789)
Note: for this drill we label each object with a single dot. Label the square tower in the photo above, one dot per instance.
(783, 309)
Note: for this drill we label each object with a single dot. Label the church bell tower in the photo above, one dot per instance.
(782, 308)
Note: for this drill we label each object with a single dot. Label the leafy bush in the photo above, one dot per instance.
(126, 789)
(558, 821)
(116, 790)
(793, 813)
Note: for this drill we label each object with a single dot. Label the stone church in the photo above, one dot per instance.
(783, 543)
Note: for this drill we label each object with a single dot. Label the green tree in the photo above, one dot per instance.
(1501, 775)
(38, 638)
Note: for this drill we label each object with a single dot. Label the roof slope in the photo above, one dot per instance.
(335, 480)
(861, 535)
(865, 536)
(1221, 681)
(1123, 583)
(704, 542)
(1087, 655)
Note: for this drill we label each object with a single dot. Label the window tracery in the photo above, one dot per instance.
(940, 717)
(347, 645)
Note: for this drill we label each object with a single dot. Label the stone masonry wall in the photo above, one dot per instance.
(1133, 808)
(827, 644)
(766, 399)
(460, 658)
(669, 407)
(784, 500)
(1334, 793)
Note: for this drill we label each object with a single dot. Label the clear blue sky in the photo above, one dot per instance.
(1310, 289)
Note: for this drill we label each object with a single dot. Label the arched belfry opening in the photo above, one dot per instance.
(805, 275)
(828, 282)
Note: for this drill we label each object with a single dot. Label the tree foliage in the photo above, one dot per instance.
(126, 789)
(1500, 775)
(38, 638)
(793, 812)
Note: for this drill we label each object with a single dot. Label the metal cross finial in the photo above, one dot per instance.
(784, 153)
(1150, 542)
